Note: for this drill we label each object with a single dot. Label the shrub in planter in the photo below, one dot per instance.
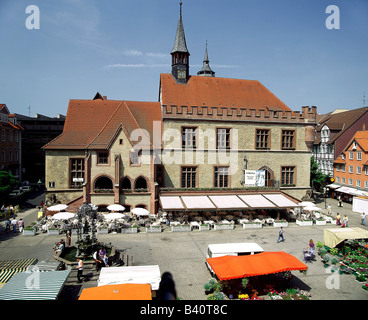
(216, 296)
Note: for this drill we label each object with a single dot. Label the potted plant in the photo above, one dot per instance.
(319, 246)
(251, 225)
(280, 223)
(321, 222)
(204, 227)
(130, 229)
(29, 231)
(153, 229)
(181, 228)
(304, 222)
(325, 260)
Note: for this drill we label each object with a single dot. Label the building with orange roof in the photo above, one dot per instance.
(205, 135)
(351, 167)
(333, 131)
(10, 152)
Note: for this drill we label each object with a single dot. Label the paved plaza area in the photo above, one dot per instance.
(184, 253)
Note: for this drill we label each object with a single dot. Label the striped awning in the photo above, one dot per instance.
(10, 267)
(34, 285)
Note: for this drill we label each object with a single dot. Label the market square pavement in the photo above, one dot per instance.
(184, 253)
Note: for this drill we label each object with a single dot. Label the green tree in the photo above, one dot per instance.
(7, 183)
(318, 179)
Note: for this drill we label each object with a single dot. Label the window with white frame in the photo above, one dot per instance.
(350, 182)
(359, 170)
(351, 169)
(337, 167)
(343, 180)
(359, 155)
(358, 183)
(351, 155)
(337, 179)
(366, 184)
(366, 170)
(343, 168)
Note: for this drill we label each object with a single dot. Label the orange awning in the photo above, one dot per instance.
(234, 267)
(128, 291)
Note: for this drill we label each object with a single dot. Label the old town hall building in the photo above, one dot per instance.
(205, 138)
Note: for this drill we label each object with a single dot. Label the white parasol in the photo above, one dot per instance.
(114, 215)
(311, 208)
(140, 212)
(307, 204)
(63, 216)
(57, 207)
(116, 207)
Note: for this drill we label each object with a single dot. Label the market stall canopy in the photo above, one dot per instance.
(34, 285)
(128, 291)
(10, 267)
(63, 216)
(57, 207)
(332, 237)
(131, 274)
(234, 267)
(228, 201)
(116, 207)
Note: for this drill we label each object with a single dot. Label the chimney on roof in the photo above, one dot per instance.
(363, 127)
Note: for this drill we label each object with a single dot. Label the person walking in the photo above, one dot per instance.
(7, 225)
(80, 269)
(338, 219)
(98, 262)
(362, 218)
(329, 210)
(20, 225)
(14, 223)
(345, 221)
(281, 235)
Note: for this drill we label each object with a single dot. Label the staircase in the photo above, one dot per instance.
(72, 288)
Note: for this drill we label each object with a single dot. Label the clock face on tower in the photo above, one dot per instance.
(182, 74)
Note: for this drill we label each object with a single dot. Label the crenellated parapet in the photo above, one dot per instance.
(308, 114)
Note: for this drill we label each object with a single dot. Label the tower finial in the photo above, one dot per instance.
(206, 71)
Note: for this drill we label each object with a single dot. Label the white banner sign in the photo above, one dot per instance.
(254, 178)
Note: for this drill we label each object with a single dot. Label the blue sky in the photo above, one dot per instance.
(119, 48)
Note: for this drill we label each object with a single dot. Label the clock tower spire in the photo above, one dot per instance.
(180, 54)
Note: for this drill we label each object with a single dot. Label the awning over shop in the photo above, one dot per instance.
(128, 291)
(281, 201)
(348, 190)
(135, 274)
(333, 186)
(257, 201)
(34, 285)
(171, 203)
(227, 202)
(10, 267)
(234, 267)
(332, 237)
(198, 202)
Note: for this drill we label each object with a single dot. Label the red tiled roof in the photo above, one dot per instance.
(224, 92)
(361, 137)
(92, 124)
